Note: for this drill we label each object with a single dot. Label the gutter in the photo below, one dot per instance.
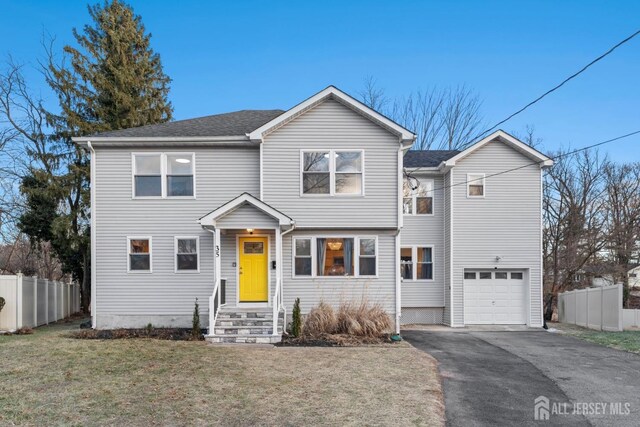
(92, 182)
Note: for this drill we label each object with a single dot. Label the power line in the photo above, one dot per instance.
(571, 77)
(559, 156)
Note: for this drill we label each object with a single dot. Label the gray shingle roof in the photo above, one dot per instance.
(237, 123)
(427, 158)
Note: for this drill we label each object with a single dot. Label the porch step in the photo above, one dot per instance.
(246, 325)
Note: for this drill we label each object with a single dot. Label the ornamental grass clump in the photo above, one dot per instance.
(355, 319)
(320, 320)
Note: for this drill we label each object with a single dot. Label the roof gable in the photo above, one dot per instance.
(244, 199)
(508, 140)
(331, 92)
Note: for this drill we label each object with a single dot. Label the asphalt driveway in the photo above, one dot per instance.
(493, 378)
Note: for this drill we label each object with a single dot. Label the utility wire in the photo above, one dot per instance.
(559, 156)
(571, 77)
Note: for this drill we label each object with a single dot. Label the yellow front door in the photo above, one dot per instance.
(253, 269)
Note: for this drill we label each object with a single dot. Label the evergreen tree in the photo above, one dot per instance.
(112, 80)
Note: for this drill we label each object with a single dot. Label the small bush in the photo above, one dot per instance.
(195, 323)
(320, 320)
(296, 320)
(2, 303)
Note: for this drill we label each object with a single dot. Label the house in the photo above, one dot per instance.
(634, 276)
(249, 210)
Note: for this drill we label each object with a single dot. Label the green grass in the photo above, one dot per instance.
(625, 340)
(49, 379)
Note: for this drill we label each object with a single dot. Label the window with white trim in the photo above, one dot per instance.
(332, 172)
(139, 254)
(416, 262)
(475, 185)
(418, 196)
(329, 256)
(302, 257)
(163, 175)
(187, 251)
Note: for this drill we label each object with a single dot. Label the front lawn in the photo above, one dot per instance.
(48, 379)
(625, 340)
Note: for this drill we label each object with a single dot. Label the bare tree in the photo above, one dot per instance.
(446, 119)
(622, 183)
(372, 95)
(574, 219)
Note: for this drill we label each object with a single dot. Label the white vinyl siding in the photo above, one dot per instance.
(325, 127)
(505, 223)
(121, 298)
(334, 290)
(427, 230)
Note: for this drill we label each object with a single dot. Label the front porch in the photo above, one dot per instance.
(246, 304)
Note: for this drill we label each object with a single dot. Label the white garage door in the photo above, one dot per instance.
(495, 297)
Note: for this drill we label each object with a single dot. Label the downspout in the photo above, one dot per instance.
(92, 181)
(280, 273)
(401, 151)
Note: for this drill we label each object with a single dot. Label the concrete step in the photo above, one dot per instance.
(243, 339)
(243, 330)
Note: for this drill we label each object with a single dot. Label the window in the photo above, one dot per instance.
(148, 175)
(332, 172)
(485, 275)
(501, 275)
(416, 263)
(475, 184)
(367, 257)
(187, 252)
(179, 175)
(469, 275)
(139, 254)
(406, 263)
(425, 264)
(335, 256)
(302, 256)
(633, 275)
(163, 175)
(418, 196)
(516, 276)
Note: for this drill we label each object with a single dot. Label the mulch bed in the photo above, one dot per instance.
(337, 340)
(172, 334)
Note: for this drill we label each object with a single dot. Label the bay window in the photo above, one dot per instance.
(332, 172)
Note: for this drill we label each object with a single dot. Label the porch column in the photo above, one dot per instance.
(278, 234)
(216, 254)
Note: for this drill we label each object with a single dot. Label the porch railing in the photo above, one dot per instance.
(277, 304)
(216, 300)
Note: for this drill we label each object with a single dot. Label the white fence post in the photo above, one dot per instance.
(55, 301)
(35, 301)
(46, 300)
(19, 300)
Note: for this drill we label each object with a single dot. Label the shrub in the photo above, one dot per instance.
(296, 320)
(320, 320)
(2, 302)
(362, 319)
(195, 322)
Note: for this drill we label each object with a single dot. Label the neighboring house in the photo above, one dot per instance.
(250, 210)
(634, 276)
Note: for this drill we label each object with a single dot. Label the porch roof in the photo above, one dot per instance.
(209, 220)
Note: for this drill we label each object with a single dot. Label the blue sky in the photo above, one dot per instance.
(225, 56)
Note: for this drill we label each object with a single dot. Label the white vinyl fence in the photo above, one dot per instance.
(596, 308)
(31, 302)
